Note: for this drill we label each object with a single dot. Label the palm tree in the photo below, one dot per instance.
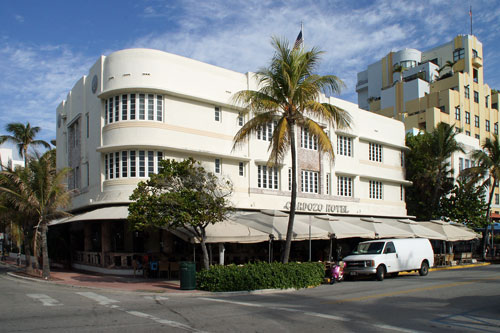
(288, 95)
(488, 168)
(399, 69)
(41, 195)
(448, 64)
(24, 137)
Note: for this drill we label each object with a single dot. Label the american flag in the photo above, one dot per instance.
(298, 41)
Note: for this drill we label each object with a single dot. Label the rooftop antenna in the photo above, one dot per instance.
(470, 14)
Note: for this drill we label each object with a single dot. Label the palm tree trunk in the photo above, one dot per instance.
(27, 255)
(293, 199)
(45, 252)
(488, 219)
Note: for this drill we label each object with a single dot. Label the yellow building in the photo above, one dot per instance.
(444, 84)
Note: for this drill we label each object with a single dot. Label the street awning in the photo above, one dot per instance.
(99, 214)
(449, 231)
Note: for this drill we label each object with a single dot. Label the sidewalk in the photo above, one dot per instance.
(95, 280)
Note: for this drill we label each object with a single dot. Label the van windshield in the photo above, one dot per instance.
(369, 248)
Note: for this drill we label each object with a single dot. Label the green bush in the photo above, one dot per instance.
(261, 275)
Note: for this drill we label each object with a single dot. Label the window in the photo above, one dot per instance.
(123, 164)
(110, 110)
(267, 177)
(217, 114)
(124, 107)
(460, 164)
(266, 132)
(477, 136)
(402, 156)
(132, 164)
(88, 125)
(467, 133)
(117, 165)
(474, 54)
(308, 141)
(487, 101)
(467, 117)
(476, 97)
(309, 181)
(240, 120)
(344, 146)
(328, 184)
(375, 189)
(408, 63)
(458, 54)
(457, 113)
(106, 166)
(494, 106)
(466, 92)
(117, 108)
(476, 121)
(344, 186)
(495, 128)
(467, 163)
(487, 126)
(151, 162)
(158, 160)
(375, 152)
(132, 106)
(289, 179)
(401, 192)
(217, 165)
(142, 106)
(496, 199)
(474, 75)
(111, 167)
(241, 169)
(142, 163)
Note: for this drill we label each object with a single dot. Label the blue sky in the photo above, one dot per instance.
(46, 46)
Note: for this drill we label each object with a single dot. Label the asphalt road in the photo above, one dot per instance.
(465, 300)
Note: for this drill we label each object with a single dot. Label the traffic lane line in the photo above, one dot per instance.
(45, 299)
(409, 291)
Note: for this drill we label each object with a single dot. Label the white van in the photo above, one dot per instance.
(390, 256)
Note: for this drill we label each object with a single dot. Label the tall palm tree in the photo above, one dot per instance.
(399, 69)
(24, 137)
(488, 168)
(288, 94)
(448, 64)
(42, 195)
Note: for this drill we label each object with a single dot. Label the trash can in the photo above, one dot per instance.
(188, 275)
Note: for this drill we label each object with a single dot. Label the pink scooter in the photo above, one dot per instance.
(337, 272)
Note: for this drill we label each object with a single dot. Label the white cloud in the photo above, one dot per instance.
(19, 18)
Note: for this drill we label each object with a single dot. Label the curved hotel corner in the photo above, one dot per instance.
(138, 106)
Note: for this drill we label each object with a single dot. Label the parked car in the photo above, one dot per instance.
(390, 256)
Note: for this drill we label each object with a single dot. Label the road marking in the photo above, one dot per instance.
(395, 328)
(156, 298)
(409, 291)
(256, 305)
(102, 300)
(46, 300)
(108, 302)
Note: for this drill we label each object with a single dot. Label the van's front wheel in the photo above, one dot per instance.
(380, 273)
(424, 269)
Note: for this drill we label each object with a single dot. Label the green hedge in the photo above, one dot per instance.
(261, 275)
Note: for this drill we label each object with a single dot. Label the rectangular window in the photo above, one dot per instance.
(111, 165)
(466, 92)
(487, 101)
(467, 133)
(309, 181)
(132, 106)
(267, 177)
(457, 113)
(460, 164)
(124, 107)
(142, 106)
(477, 136)
(241, 169)
(105, 112)
(476, 97)
(495, 128)
(474, 75)
(217, 113)
(328, 184)
(110, 110)
(151, 162)
(308, 141)
(117, 165)
(159, 107)
(476, 121)
(217, 165)
(344, 146)
(375, 189)
(467, 163)
(467, 117)
(151, 107)
(106, 167)
(132, 164)
(124, 164)
(474, 54)
(158, 160)
(117, 108)
(240, 120)
(344, 186)
(142, 163)
(458, 54)
(442, 109)
(266, 132)
(401, 192)
(487, 126)
(289, 179)
(496, 199)
(375, 152)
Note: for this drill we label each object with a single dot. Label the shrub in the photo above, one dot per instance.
(261, 275)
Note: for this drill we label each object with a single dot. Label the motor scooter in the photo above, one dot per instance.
(337, 272)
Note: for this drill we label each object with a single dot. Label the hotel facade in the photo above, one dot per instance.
(138, 106)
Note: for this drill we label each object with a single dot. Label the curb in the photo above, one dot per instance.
(434, 269)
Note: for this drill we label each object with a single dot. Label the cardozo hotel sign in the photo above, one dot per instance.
(318, 207)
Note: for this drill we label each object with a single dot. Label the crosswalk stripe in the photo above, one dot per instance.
(102, 300)
(46, 300)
